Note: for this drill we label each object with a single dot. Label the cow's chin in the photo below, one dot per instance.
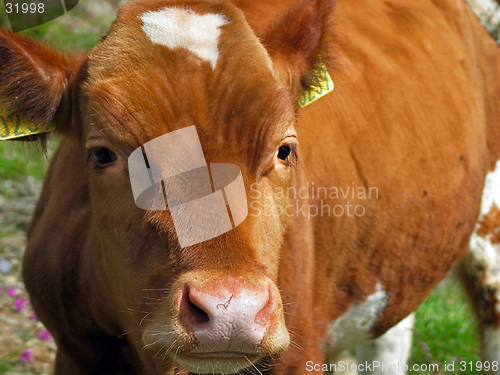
(216, 362)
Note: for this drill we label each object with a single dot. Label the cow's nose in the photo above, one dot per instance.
(227, 320)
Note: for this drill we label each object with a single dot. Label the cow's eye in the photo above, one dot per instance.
(284, 152)
(103, 156)
(287, 153)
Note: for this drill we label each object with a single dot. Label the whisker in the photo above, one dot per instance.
(255, 367)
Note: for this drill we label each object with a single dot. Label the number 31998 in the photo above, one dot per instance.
(24, 8)
(478, 366)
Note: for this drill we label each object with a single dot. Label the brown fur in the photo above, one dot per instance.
(490, 224)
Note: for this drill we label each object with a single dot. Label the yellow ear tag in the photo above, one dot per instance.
(14, 126)
(326, 85)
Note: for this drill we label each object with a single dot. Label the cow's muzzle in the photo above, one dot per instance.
(222, 324)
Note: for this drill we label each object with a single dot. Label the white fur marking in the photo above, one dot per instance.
(487, 258)
(486, 255)
(354, 327)
(491, 191)
(485, 262)
(176, 27)
(391, 348)
(488, 13)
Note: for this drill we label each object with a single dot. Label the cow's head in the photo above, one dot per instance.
(211, 306)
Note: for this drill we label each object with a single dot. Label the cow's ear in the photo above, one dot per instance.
(299, 41)
(38, 82)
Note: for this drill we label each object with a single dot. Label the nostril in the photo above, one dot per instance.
(198, 315)
(191, 312)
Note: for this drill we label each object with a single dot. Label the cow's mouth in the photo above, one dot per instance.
(222, 355)
(216, 362)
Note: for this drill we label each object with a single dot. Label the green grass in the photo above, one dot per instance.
(21, 159)
(58, 36)
(446, 331)
(6, 366)
(8, 362)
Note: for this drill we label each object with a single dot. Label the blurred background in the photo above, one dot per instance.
(445, 330)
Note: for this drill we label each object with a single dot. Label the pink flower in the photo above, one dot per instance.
(44, 335)
(11, 292)
(21, 304)
(26, 355)
(32, 316)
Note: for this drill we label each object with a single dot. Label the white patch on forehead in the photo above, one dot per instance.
(176, 27)
(354, 327)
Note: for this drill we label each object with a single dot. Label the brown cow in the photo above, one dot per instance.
(346, 234)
